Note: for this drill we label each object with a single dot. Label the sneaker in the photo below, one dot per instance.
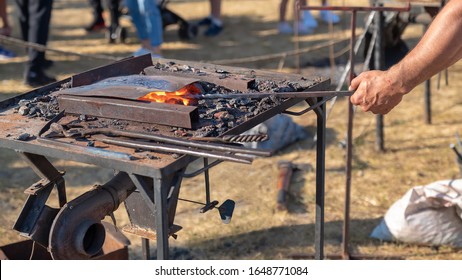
(303, 29)
(96, 25)
(329, 17)
(142, 51)
(213, 30)
(285, 28)
(36, 79)
(308, 20)
(205, 21)
(6, 54)
(47, 63)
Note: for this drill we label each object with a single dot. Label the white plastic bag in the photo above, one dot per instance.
(430, 214)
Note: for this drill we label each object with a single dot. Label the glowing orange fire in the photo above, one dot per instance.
(175, 97)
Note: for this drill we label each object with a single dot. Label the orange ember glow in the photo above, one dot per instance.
(176, 97)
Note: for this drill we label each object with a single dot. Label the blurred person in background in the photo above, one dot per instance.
(34, 20)
(147, 19)
(5, 31)
(213, 22)
(307, 23)
(98, 19)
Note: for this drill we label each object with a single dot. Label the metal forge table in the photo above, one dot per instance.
(166, 173)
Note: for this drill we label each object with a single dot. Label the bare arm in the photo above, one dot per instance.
(6, 29)
(439, 48)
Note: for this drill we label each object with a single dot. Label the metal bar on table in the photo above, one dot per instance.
(355, 9)
(176, 149)
(177, 141)
(148, 112)
(297, 94)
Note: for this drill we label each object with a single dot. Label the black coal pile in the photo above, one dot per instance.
(216, 115)
(45, 107)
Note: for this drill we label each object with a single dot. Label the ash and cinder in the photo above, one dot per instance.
(216, 116)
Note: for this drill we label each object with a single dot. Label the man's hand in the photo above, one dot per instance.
(5, 30)
(376, 91)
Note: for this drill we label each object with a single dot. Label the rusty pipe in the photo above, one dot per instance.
(77, 232)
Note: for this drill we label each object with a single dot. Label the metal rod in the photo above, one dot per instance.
(453, 147)
(349, 159)
(199, 171)
(378, 65)
(145, 248)
(428, 95)
(178, 141)
(355, 9)
(459, 142)
(207, 182)
(428, 101)
(301, 95)
(176, 149)
(320, 181)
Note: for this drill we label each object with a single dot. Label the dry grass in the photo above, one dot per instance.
(416, 153)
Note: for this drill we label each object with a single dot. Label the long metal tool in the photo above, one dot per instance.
(301, 95)
(348, 170)
(168, 140)
(176, 149)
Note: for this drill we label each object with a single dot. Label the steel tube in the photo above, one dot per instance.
(77, 232)
(349, 159)
(378, 65)
(320, 181)
(178, 141)
(176, 149)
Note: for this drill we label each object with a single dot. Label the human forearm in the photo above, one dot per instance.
(3, 15)
(440, 47)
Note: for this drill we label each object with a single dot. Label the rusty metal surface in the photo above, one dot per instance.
(77, 231)
(130, 87)
(115, 248)
(152, 164)
(120, 68)
(228, 80)
(148, 112)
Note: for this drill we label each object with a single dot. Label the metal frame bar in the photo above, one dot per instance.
(320, 179)
(348, 168)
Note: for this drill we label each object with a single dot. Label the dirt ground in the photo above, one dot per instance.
(416, 153)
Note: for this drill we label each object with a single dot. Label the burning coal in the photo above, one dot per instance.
(181, 96)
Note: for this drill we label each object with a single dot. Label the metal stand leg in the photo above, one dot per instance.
(161, 196)
(45, 170)
(145, 248)
(320, 181)
(160, 202)
(378, 65)
(428, 102)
